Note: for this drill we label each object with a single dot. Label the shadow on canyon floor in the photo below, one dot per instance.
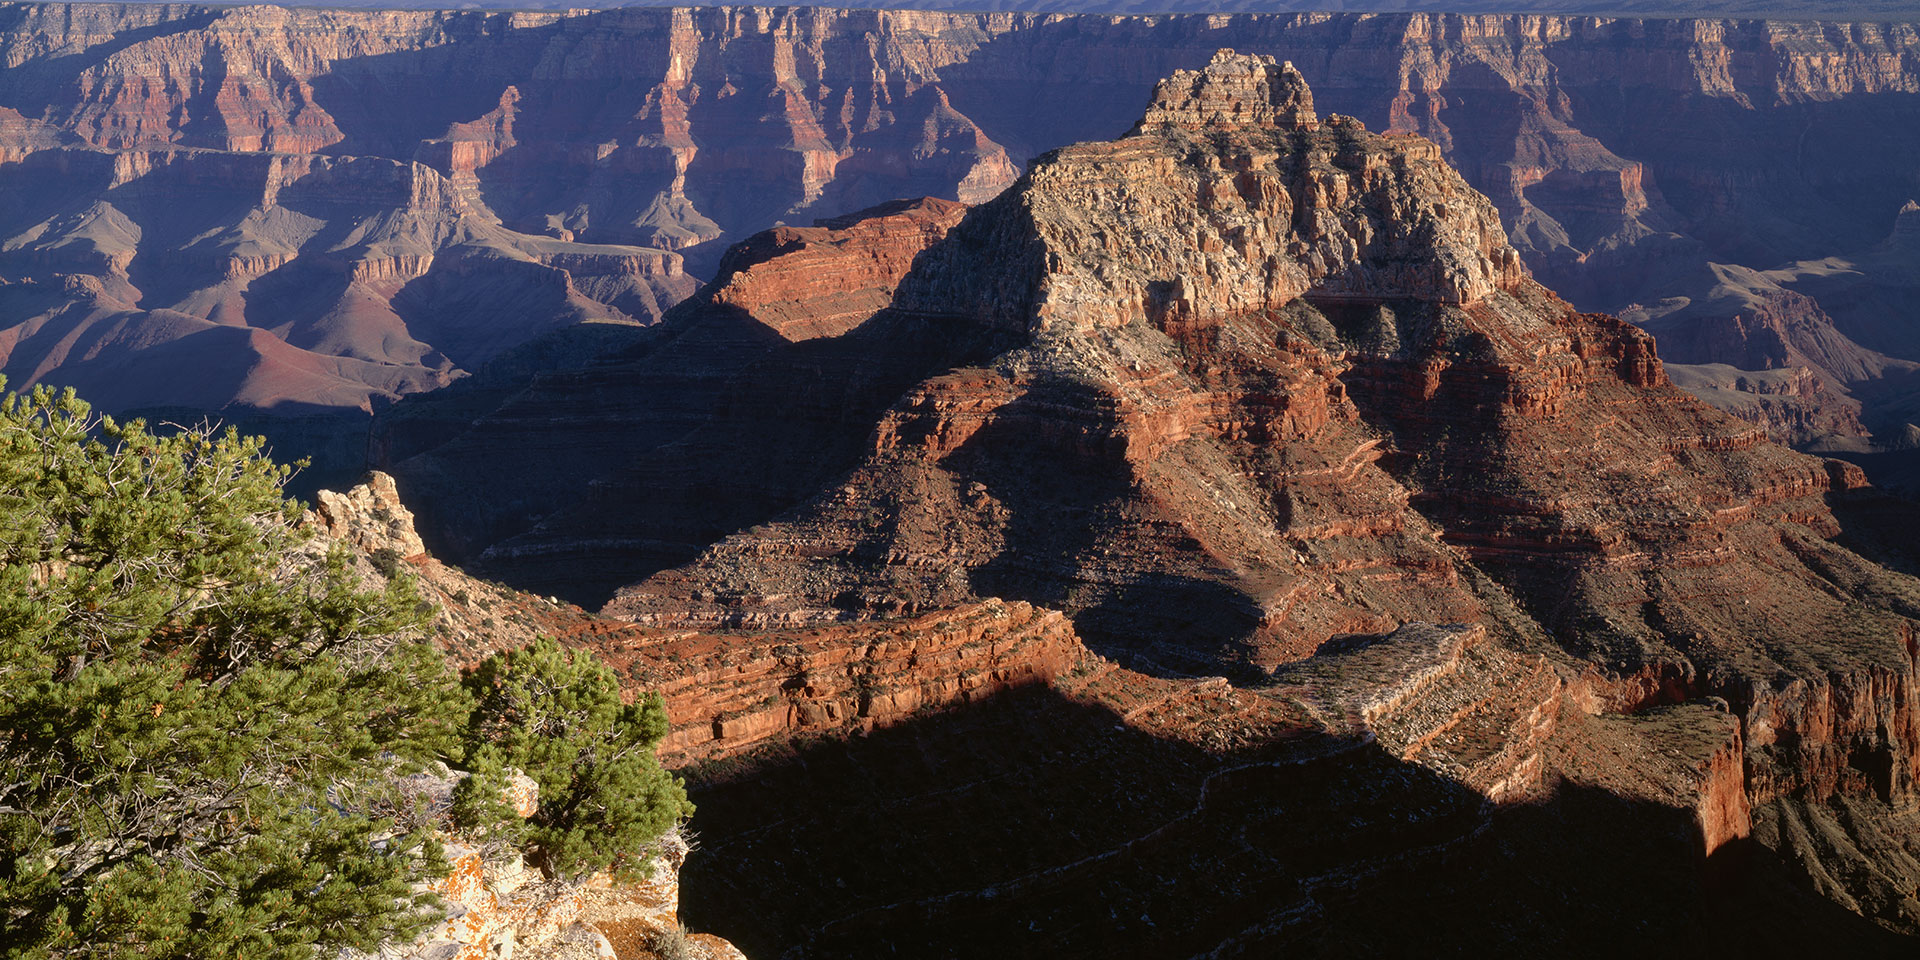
(1880, 526)
(1031, 824)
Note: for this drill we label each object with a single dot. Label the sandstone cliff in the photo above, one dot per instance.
(326, 209)
(1240, 394)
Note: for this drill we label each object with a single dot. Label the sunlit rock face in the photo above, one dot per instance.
(1226, 508)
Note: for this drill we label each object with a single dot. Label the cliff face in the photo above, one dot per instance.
(327, 209)
(773, 338)
(727, 693)
(1247, 394)
(1334, 381)
(731, 694)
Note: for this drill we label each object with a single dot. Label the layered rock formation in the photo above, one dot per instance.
(1233, 92)
(727, 693)
(1430, 776)
(327, 209)
(1244, 401)
(731, 694)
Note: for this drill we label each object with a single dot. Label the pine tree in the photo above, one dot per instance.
(557, 715)
(200, 728)
(205, 719)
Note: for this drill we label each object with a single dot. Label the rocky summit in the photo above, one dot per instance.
(1234, 91)
(1214, 544)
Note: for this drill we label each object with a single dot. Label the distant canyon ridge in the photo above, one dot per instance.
(281, 216)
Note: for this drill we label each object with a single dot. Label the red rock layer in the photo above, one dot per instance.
(729, 694)
(672, 130)
(825, 280)
(784, 309)
(1224, 391)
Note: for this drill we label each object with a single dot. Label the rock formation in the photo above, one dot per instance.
(472, 617)
(1231, 92)
(730, 694)
(1458, 721)
(793, 293)
(726, 693)
(1248, 404)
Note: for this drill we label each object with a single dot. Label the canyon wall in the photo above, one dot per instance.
(1242, 818)
(323, 209)
(1251, 398)
(1102, 518)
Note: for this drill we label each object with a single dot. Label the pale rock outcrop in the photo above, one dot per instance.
(1233, 91)
(370, 518)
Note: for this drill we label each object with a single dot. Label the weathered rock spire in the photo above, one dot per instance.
(1234, 90)
(1906, 226)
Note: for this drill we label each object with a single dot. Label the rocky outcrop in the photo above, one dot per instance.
(1232, 91)
(472, 617)
(825, 280)
(1251, 402)
(1906, 228)
(492, 904)
(727, 693)
(1340, 293)
(371, 519)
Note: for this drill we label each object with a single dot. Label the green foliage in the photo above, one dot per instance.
(557, 715)
(204, 718)
(198, 709)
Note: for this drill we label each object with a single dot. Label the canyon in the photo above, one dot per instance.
(1213, 544)
(1211, 537)
(321, 211)
(1784, 9)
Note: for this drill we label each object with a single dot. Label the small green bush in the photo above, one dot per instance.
(557, 715)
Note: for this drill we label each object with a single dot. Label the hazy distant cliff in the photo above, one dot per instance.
(328, 208)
